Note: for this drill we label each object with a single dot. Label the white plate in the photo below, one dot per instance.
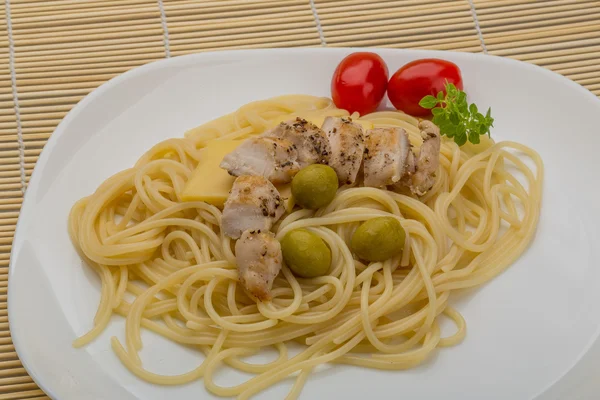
(532, 331)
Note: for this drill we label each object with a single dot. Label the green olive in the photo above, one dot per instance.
(305, 253)
(314, 186)
(378, 239)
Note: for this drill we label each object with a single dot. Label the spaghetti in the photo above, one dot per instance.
(142, 240)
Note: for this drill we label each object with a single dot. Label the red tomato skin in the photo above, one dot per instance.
(418, 79)
(359, 82)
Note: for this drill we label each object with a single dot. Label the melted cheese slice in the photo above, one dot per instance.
(211, 183)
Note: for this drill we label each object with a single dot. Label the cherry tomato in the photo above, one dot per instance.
(359, 82)
(418, 79)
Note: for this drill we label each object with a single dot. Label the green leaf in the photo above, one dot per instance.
(488, 117)
(446, 127)
(449, 128)
(455, 118)
(460, 140)
(437, 111)
(474, 137)
(439, 119)
(462, 98)
(451, 90)
(483, 129)
(428, 102)
(479, 118)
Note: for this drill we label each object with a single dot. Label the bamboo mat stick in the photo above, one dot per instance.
(10, 355)
(13, 380)
(558, 55)
(111, 26)
(546, 16)
(548, 45)
(27, 23)
(9, 364)
(114, 15)
(322, 4)
(589, 81)
(76, 64)
(236, 9)
(87, 86)
(7, 228)
(367, 8)
(131, 41)
(76, 67)
(250, 20)
(27, 393)
(141, 13)
(39, 7)
(53, 93)
(584, 27)
(590, 17)
(192, 48)
(484, 7)
(57, 74)
(50, 101)
(69, 4)
(202, 37)
(421, 28)
(585, 75)
(74, 39)
(142, 48)
(205, 29)
(542, 10)
(346, 18)
(222, 23)
(232, 40)
(218, 29)
(193, 24)
(545, 43)
(174, 12)
(445, 43)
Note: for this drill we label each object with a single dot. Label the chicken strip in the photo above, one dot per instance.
(428, 159)
(310, 140)
(410, 168)
(270, 157)
(258, 257)
(254, 203)
(405, 183)
(347, 141)
(386, 151)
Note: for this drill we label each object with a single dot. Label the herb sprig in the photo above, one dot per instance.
(455, 117)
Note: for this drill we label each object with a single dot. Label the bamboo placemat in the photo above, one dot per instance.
(53, 53)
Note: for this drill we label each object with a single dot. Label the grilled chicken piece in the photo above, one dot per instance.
(310, 140)
(428, 160)
(405, 183)
(347, 141)
(386, 151)
(410, 168)
(254, 203)
(258, 257)
(270, 157)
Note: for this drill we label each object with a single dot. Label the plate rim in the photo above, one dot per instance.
(20, 348)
